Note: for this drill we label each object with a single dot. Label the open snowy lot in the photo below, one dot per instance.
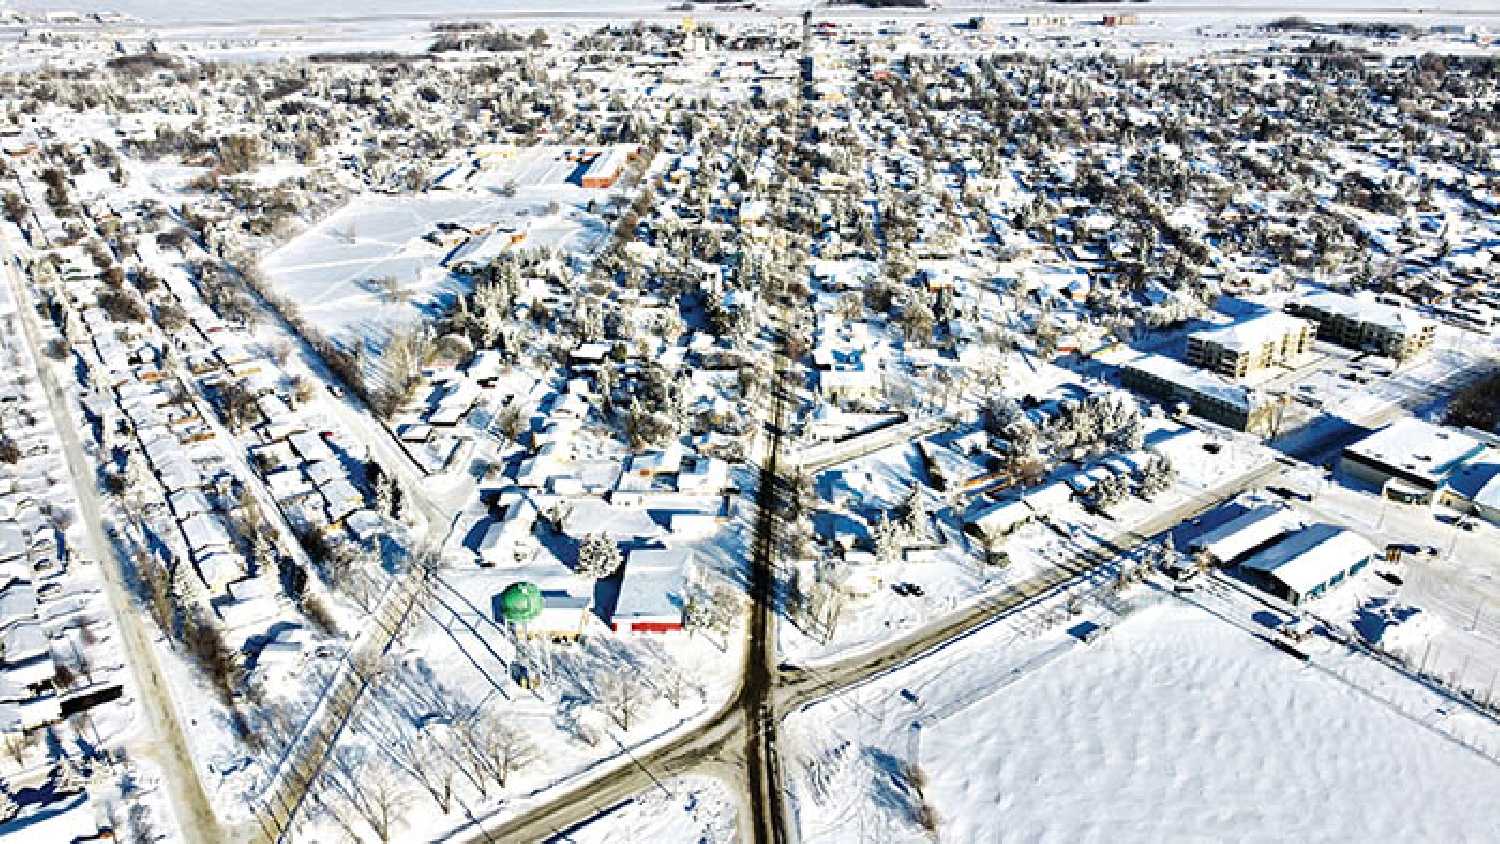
(1174, 725)
(334, 270)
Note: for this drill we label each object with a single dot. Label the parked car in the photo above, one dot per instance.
(1296, 629)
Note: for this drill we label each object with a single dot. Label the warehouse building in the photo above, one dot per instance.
(652, 591)
(1309, 563)
(1475, 488)
(1248, 533)
(1410, 458)
(606, 167)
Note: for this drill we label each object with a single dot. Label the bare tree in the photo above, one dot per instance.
(141, 826)
(15, 747)
(467, 748)
(430, 761)
(383, 801)
(511, 422)
(506, 750)
(622, 699)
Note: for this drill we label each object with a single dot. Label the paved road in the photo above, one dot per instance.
(195, 816)
(762, 775)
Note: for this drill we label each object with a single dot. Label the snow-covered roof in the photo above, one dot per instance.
(593, 515)
(652, 586)
(311, 447)
(12, 541)
(1044, 499)
(1418, 448)
(1363, 310)
(189, 502)
(561, 613)
(1250, 334)
(219, 568)
(1195, 380)
(608, 163)
(1488, 495)
(487, 364)
(1312, 557)
(17, 601)
(998, 518)
(205, 531)
(1247, 531)
(502, 536)
(287, 484)
(342, 498)
(22, 641)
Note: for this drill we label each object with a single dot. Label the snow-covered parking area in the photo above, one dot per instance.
(1175, 725)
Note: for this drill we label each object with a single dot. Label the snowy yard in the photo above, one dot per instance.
(1175, 724)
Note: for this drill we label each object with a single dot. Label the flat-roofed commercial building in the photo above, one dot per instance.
(1235, 351)
(1365, 325)
(1412, 452)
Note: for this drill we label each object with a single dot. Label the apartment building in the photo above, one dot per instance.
(1235, 351)
(1369, 326)
(1209, 395)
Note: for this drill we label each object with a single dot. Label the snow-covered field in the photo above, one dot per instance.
(1175, 725)
(212, 10)
(331, 270)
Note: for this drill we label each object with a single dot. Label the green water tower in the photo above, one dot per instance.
(520, 603)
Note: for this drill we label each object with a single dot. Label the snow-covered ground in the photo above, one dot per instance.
(210, 10)
(82, 640)
(1455, 628)
(1173, 725)
(331, 270)
(693, 809)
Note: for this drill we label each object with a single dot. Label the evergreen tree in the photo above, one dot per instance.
(598, 556)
